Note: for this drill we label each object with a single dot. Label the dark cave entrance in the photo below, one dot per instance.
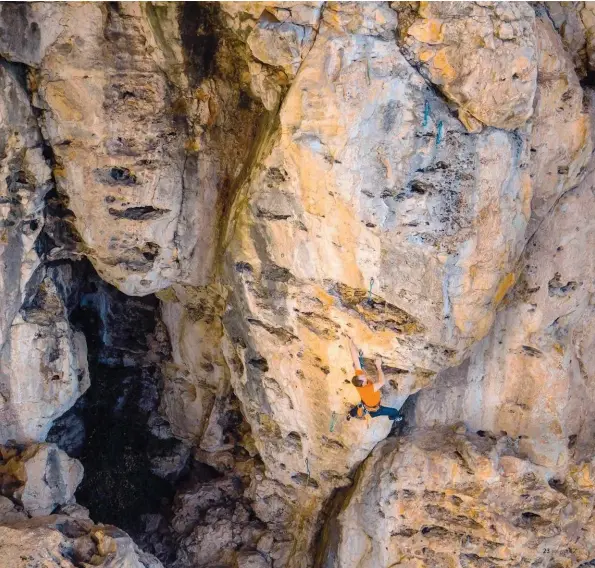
(114, 429)
(136, 473)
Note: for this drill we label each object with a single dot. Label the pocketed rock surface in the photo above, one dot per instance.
(446, 498)
(201, 202)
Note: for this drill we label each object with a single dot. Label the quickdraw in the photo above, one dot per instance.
(374, 301)
(440, 126)
(439, 133)
(426, 114)
(362, 413)
(370, 292)
(333, 422)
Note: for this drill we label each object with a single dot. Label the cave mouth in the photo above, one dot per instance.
(115, 429)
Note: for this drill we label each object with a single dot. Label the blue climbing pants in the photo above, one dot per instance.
(392, 413)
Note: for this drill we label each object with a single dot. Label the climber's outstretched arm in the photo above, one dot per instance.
(380, 382)
(354, 354)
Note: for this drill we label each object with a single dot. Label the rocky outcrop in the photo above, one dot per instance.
(448, 498)
(43, 364)
(93, 83)
(25, 405)
(482, 56)
(25, 181)
(561, 143)
(197, 375)
(575, 24)
(146, 90)
(217, 525)
(39, 478)
(60, 541)
(36, 481)
(321, 225)
(377, 215)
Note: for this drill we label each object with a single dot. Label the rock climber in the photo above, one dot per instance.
(369, 391)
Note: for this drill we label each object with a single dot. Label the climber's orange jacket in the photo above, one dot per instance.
(369, 396)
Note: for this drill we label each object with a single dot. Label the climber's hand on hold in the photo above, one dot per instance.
(380, 381)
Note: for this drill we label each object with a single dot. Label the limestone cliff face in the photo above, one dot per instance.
(273, 178)
(441, 498)
(531, 376)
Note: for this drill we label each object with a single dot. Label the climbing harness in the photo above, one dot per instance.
(439, 133)
(363, 413)
(426, 114)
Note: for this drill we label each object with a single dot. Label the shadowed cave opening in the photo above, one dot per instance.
(115, 429)
(136, 472)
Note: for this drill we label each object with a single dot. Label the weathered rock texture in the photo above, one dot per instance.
(152, 93)
(42, 525)
(39, 478)
(43, 361)
(575, 24)
(532, 376)
(25, 181)
(482, 56)
(273, 178)
(59, 541)
(440, 498)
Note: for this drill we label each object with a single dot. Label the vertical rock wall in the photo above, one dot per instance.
(416, 176)
(442, 498)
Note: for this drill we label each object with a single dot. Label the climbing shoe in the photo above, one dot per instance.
(397, 426)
